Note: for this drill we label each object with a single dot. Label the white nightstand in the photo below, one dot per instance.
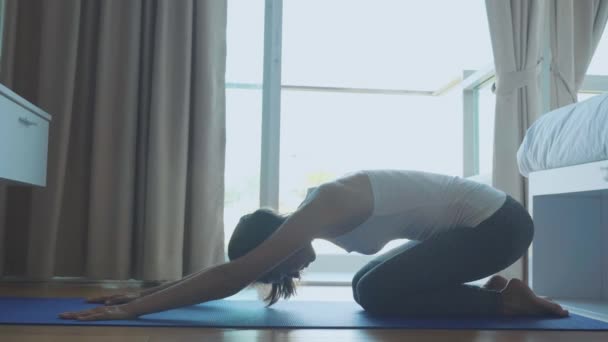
(24, 131)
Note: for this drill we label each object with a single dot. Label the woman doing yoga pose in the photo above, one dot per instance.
(459, 231)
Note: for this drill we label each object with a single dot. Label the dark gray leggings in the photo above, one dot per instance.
(427, 277)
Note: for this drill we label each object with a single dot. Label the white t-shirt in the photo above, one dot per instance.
(415, 205)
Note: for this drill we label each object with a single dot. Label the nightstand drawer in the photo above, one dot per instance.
(23, 142)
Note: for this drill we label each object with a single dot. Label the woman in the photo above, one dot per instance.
(460, 231)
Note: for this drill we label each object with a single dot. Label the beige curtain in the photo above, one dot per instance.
(576, 29)
(515, 30)
(136, 151)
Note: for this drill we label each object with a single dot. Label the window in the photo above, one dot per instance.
(596, 81)
(245, 45)
(364, 85)
(478, 116)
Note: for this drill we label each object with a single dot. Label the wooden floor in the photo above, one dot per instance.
(23, 333)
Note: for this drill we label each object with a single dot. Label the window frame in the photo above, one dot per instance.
(473, 81)
(271, 104)
(325, 270)
(330, 269)
(336, 269)
(326, 266)
(594, 84)
(271, 100)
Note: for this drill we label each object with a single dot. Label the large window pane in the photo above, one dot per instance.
(381, 44)
(244, 64)
(245, 41)
(243, 145)
(406, 44)
(325, 135)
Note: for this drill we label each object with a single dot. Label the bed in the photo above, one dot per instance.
(565, 157)
(570, 135)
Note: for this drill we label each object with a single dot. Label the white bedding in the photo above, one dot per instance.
(570, 135)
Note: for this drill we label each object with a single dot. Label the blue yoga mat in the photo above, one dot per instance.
(286, 314)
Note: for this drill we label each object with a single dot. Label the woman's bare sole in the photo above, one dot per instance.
(519, 299)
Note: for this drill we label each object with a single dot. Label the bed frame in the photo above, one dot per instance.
(568, 259)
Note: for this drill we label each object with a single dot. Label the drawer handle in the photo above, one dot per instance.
(605, 172)
(26, 122)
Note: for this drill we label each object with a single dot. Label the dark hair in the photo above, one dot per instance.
(250, 232)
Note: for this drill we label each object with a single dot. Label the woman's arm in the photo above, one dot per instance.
(168, 284)
(126, 297)
(319, 215)
(210, 284)
(228, 279)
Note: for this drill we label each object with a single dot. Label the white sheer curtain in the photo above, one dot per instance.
(515, 29)
(576, 27)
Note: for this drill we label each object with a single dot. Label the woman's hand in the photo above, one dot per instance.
(114, 299)
(100, 313)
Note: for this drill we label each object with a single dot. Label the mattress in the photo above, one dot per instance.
(570, 135)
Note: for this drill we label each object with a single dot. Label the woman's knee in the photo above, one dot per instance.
(515, 243)
(378, 299)
(522, 228)
(373, 289)
(366, 296)
(357, 278)
(524, 233)
(355, 292)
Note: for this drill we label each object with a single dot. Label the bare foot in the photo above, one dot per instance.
(496, 283)
(519, 299)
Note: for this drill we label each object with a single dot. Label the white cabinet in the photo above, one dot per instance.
(568, 260)
(24, 130)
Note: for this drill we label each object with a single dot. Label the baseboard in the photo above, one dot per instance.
(79, 281)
